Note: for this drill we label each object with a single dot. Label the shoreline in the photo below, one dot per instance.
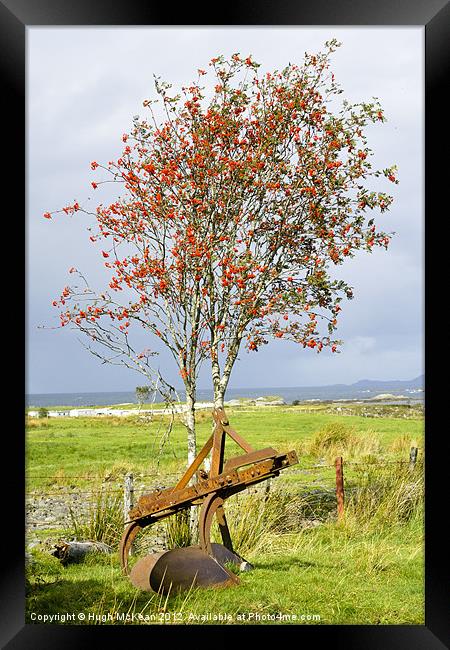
(259, 403)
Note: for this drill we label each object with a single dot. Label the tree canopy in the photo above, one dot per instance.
(237, 206)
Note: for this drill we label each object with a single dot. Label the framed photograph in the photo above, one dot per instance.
(227, 233)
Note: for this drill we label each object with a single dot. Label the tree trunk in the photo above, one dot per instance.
(218, 403)
(73, 552)
(190, 425)
(218, 397)
(192, 452)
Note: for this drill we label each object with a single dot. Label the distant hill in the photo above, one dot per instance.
(417, 382)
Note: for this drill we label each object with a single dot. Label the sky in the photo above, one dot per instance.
(84, 85)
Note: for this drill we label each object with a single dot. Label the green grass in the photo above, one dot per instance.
(89, 448)
(365, 569)
(342, 575)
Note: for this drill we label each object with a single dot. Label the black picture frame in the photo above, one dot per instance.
(434, 15)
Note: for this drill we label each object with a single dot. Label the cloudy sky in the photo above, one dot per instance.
(84, 86)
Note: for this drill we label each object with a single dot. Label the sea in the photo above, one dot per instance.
(338, 392)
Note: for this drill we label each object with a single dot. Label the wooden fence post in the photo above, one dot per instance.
(412, 457)
(339, 463)
(128, 494)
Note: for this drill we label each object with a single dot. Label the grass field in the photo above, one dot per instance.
(365, 569)
(91, 447)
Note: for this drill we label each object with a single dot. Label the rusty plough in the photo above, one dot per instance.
(206, 563)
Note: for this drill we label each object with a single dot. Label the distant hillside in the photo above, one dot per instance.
(417, 382)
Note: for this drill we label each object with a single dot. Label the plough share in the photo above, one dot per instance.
(206, 563)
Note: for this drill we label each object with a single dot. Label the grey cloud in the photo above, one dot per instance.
(84, 86)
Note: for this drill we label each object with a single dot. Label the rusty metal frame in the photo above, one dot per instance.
(209, 491)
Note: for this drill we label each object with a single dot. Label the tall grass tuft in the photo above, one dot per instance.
(338, 439)
(402, 444)
(255, 519)
(334, 437)
(178, 530)
(36, 423)
(102, 522)
(387, 495)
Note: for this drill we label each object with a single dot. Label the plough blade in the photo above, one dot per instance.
(204, 565)
(181, 568)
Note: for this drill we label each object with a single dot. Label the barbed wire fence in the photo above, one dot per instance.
(52, 509)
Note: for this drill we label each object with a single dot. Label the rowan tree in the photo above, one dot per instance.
(237, 207)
